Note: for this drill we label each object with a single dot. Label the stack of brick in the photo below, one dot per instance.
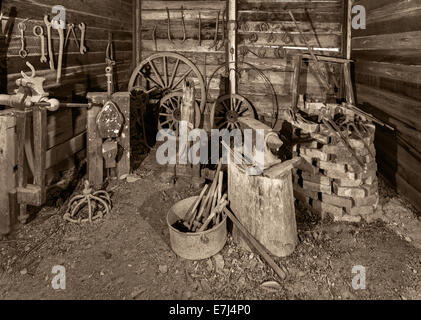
(332, 181)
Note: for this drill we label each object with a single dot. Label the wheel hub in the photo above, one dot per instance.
(232, 116)
(177, 114)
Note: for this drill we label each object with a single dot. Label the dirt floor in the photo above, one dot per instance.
(128, 256)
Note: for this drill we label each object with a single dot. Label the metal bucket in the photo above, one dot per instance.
(199, 245)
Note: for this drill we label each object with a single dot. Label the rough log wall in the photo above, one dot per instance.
(388, 83)
(81, 73)
(321, 22)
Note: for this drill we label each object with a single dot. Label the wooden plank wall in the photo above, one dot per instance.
(81, 73)
(321, 23)
(321, 20)
(154, 14)
(388, 84)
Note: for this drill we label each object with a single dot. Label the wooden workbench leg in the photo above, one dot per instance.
(94, 146)
(297, 62)
(40, 150)
(8, 199)
(122, 100)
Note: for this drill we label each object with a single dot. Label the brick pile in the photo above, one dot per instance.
(330, 179)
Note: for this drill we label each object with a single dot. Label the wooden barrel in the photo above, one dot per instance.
(266, 209)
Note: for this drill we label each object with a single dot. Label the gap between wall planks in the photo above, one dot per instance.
(388, 83)
(81, 73)
(321, 21)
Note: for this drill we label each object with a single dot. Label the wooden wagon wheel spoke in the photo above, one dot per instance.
(225, 106)
(223, 124)
(184, 76)
(164, 58)
(223, 117)
(170, 119)
(149, 78)
(156, 73)
(174, 73)
(164, 123)
(238, 105)
(165, 71)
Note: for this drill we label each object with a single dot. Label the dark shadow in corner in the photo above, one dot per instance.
(5, 38)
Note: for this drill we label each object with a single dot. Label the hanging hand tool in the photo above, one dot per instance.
(82, 28)
(223, 32)
(60, 53)
(40, 34)
(169, 25)
(110, 120)
(319, 72)
(215, 40)
(154, 37)
(71, 29)
(50, 44)
(200, 29)
(22, 52)
(110, 62)
(183, 24)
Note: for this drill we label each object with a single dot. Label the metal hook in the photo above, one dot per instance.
(24, 75)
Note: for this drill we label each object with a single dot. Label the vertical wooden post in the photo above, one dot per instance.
(187, 105)
(349, 88)
(297, 62)
(232, 44)
(40, 150)
(94, 146)
(349, 30)
(187, 116)
(122, 100)
(137, 32)
(8, 199)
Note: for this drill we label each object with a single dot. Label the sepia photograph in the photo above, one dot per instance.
(210, 155)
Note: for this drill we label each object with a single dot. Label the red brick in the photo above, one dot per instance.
(361, 211)
(306, 165)
(325, 165)
(314, 153)
(342, 202)
(318, 178)
(372, 200)
(334, 174)
(325, 207)
(303, 192)
(317, 187)
(349, 192)
(349, 182)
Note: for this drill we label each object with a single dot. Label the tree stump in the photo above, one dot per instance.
(265, 207)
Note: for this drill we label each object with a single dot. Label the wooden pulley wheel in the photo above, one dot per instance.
(166, 72)
(227, 109)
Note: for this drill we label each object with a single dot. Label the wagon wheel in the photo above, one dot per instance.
(170, 112)
(166, 71)
(227, 109)
(244, 68)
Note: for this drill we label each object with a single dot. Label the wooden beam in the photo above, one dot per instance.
(349, 29)
(232, 44)
(65, 150)
(40, 148)
(298, 59)
(8, 209)
(138, 33)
